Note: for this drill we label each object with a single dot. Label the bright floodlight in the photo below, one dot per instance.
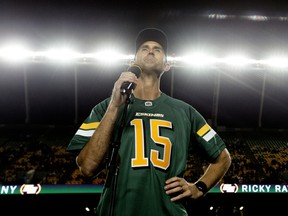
(277, 62)
(15, 53)
(198, 59)
(18, 53)
(237, 60)
(62, 55)
(110, 56)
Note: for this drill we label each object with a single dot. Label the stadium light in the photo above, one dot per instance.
(109, 56)
(277, 62)
(64, 55)
(238, 61)
(15, 53)
(197, 59)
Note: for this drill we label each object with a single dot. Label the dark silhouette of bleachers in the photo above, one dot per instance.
(37, 154)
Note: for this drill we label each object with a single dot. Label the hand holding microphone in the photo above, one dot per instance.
(124, 85)
(127, 87)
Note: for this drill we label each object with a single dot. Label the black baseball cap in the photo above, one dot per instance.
(152, 34)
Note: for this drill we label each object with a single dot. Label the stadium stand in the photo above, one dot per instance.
(38, 155)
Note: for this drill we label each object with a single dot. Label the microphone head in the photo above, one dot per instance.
(135, 69)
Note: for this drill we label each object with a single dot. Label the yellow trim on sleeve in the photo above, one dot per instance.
(203, 130)
(89, 126)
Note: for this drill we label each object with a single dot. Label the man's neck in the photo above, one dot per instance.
(146, 93)
(145, 96)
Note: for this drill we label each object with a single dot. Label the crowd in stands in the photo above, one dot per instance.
(29, 156)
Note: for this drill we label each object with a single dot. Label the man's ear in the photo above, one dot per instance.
(167, 66)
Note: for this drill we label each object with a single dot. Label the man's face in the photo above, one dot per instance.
(151, 56)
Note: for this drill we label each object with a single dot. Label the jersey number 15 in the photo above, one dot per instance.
(140, 160)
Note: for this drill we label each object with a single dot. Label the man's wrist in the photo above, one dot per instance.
(201, 187)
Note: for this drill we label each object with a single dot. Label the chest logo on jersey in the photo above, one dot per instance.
(150, 114)
(148, 103)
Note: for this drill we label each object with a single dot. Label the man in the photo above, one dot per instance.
(158, 134)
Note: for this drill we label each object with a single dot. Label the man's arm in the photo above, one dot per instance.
(92, 154)
(213, 174)
(216, 170)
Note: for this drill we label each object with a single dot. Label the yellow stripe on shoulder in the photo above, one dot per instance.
(203, 130)
(89, 126)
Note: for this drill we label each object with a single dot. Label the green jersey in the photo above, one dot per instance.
(156, 140)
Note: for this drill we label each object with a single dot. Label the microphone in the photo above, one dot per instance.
(127, 87)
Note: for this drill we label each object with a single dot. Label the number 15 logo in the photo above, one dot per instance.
(140, 160)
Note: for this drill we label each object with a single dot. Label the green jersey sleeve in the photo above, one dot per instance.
(87, 128)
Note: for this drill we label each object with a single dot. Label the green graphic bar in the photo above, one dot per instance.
(92, 188)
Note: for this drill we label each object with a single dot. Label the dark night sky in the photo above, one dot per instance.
(87, 23)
